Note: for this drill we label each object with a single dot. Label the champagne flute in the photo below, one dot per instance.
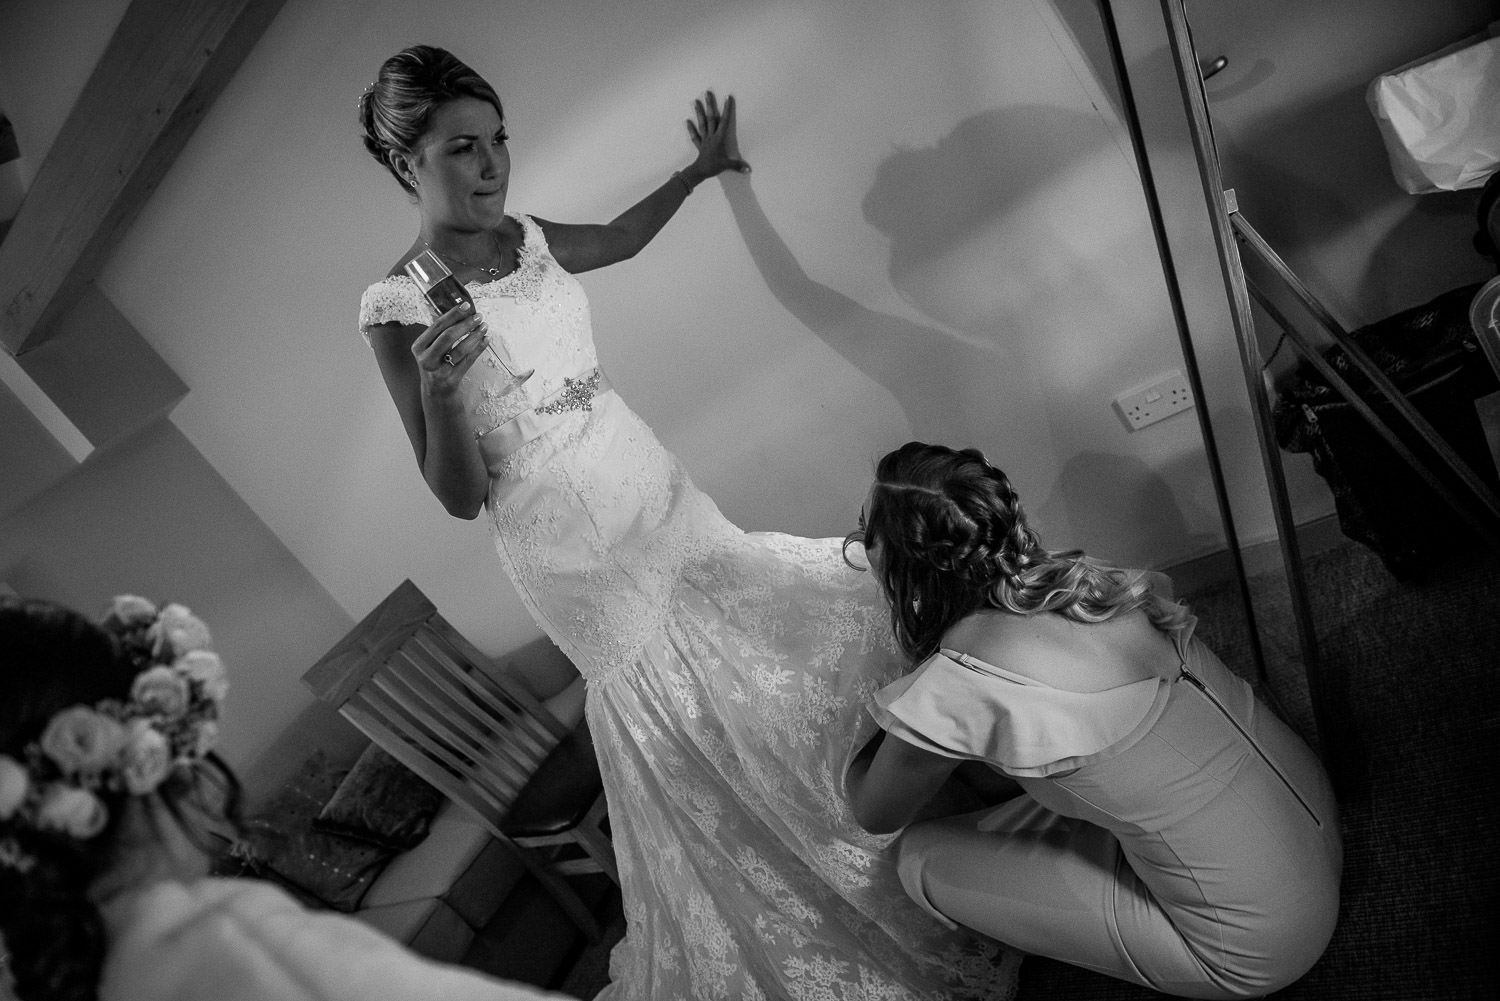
(444, 291)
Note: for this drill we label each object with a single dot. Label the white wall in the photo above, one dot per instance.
(148, 516)
(943, 238)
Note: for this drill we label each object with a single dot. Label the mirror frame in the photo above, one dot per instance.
(1165, 108)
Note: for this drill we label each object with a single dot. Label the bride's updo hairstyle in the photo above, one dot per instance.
(53, 664)
(395, 110)
(953, 539)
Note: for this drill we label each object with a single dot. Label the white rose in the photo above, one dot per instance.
(14, 784)
(128, 610)
(177, 630)
(147, 759)
(79, 739)
(205, 668)
(73, 811)
(161, 690)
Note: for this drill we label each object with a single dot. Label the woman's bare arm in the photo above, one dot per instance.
(580, 248)
(425, 391)
(891, 782)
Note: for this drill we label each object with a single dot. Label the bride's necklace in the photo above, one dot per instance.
(494, 272)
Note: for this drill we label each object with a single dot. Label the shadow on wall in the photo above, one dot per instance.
(1117, 497)
(972, 220)
(899, 354)
(978, 248)
(1243, 82)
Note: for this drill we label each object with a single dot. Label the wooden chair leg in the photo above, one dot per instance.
(592, 839)
(600, 850)
(562, 892)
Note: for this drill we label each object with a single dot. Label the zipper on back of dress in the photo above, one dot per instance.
(1199, 684)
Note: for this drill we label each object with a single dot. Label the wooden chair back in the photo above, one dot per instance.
(411, 683)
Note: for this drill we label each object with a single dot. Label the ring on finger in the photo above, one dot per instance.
(448, 358)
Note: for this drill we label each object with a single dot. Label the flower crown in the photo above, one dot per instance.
(169, 722)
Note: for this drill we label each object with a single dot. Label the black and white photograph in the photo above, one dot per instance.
(754, 500)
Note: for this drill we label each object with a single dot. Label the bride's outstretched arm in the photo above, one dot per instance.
(580, 248)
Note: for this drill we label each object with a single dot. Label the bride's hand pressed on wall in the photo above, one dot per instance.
(448, 348)
(713, 134)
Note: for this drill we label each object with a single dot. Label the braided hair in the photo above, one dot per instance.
(395, 110)
(952, 539)
(53, 659)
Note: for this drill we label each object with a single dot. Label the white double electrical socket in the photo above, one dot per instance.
(1159, 399)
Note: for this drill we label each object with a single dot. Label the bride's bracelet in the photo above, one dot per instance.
(687, 185)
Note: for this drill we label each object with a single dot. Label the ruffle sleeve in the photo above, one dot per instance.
(960, 707)
(394, 300)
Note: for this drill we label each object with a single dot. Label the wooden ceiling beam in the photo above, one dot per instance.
(165, 64)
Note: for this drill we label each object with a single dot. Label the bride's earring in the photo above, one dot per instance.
(916, 605)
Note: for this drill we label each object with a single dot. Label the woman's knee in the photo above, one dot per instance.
(916, 848)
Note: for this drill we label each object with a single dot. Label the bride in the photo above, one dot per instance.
(726, 672)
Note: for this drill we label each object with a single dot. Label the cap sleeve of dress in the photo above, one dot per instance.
(533, 238)
(960, 707)
(394, 300)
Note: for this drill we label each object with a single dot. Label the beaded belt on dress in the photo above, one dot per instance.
(576, 394)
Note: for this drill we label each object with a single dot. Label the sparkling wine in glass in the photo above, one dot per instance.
(444, 291)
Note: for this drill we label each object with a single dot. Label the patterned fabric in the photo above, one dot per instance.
(727, 679)
(284, 844)
(381, 802)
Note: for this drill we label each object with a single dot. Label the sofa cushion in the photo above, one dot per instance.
(282, 844)
(486, 885)
(429, 927)
(381, 802)
(458, 861)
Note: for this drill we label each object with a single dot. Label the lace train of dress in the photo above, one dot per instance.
(727, 676)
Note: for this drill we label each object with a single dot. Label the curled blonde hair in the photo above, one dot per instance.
(953, 539)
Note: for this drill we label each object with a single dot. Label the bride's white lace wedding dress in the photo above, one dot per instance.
(727, 675)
